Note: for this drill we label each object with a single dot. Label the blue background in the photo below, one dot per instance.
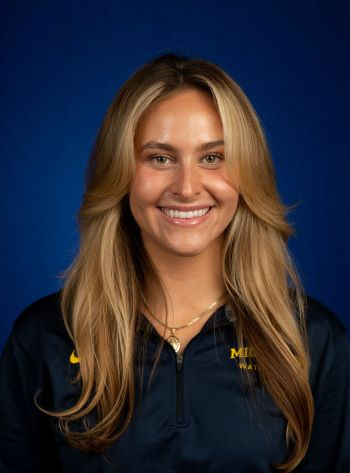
(61, 65)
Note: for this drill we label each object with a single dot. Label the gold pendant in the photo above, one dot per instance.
(174, 342)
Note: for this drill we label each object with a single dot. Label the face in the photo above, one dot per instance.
(180, 167)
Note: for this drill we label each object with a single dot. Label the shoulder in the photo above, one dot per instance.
(323, 325)
(328, 340)
(42, 314)
(37, 359)
(40, 324)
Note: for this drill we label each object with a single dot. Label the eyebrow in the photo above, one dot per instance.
(168, 147)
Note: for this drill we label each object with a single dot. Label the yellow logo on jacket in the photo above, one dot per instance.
(241, 352)
(73, 358)
(244, 352)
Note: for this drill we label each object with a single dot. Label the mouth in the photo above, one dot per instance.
(172, 213)
(185, 219)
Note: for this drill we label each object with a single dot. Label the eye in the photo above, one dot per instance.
(213, 155)
(159, 159)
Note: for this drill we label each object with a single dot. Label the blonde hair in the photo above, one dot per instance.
(101, 300)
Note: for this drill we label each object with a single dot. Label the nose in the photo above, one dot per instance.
(186, 181)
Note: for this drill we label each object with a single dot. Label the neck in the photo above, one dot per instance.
(192, 283)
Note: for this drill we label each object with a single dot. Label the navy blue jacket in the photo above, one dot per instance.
(198, 415)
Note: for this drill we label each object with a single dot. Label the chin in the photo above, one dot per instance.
(186, 252)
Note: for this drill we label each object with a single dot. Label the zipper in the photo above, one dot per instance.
(179, 378)
(179, 387)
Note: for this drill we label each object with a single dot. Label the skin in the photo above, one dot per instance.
(185, 176)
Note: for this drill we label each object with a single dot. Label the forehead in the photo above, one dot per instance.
(187, 117)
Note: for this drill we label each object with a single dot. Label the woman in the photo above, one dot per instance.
(182, 339)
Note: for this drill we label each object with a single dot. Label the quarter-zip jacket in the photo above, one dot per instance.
(197, 415)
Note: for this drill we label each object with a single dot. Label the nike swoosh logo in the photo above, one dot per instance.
(74, 359)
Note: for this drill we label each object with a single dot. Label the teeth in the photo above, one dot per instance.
(180, 214)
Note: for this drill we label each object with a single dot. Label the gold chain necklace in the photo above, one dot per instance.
(173, 340)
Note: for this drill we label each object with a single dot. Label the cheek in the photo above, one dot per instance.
(224, 193)
(144, 190)
(227, 198)
(232, 202)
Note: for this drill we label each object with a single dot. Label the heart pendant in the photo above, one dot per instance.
(174, 342)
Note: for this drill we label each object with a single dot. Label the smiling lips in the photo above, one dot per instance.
(183, 214)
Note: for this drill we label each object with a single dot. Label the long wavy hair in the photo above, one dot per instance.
(104, 288)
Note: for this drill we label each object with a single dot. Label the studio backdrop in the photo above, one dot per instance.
(63, 62)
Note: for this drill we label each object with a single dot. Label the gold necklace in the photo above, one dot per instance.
(173, 340)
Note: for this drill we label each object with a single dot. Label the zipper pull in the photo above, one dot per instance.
(179, 361)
